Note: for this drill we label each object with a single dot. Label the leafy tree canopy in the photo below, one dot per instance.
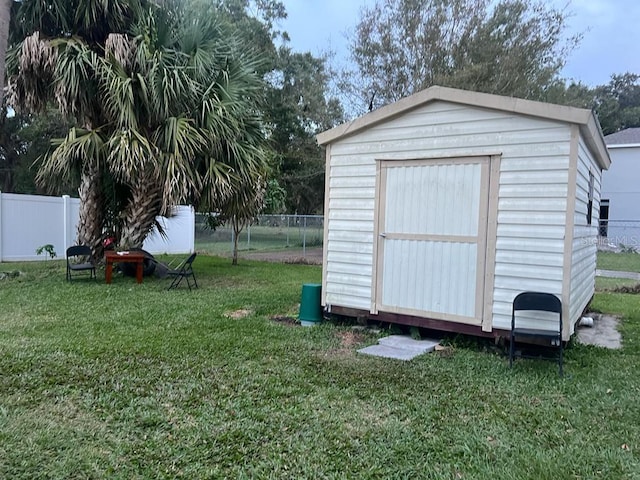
(512, 47)
(164, 98)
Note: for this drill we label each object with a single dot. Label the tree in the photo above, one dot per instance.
(242, 206)
(298, 110)
(297, 102)
(166, 104)
(513, 47)
(5, 16)
(24, 139)
(617, 104)
(55, 57)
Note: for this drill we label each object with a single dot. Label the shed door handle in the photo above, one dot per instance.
(383, 235)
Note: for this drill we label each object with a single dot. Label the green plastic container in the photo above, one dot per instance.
(310, 308)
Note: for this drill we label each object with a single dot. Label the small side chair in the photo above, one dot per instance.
(541, 302)
(79, 260)
(183, 271)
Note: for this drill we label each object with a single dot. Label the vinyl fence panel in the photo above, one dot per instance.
(28, 222)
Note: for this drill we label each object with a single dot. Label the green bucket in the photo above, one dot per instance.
(310, 307)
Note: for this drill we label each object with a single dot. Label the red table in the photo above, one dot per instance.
(121, 257)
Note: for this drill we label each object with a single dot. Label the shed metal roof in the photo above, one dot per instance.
(585, 119)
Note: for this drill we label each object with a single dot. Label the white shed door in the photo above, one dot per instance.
(431, 238)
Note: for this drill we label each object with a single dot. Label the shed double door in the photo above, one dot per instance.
(431, 238)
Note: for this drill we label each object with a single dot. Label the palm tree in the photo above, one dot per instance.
(5, 16)
(57, 60)
(167, 107)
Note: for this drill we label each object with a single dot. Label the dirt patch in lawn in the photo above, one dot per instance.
(348, 342)
(285, 320)
(238, 314)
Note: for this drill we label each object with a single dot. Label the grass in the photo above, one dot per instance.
(626, 262)
(131, 381)
(604, 284)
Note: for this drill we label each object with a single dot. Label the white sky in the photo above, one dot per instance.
(611, 29)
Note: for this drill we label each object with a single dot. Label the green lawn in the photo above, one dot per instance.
(626, 262)
(131, 381)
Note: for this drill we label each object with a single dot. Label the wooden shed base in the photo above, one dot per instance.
(422, 322)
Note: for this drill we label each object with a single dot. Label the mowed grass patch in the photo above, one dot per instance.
(624, 262)
(132, 381)
(605, 284)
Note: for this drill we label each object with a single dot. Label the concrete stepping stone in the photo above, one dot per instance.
(400, 347)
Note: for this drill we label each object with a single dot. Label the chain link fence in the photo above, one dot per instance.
(619, 235)
(296, 234)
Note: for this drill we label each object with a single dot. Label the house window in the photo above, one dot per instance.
(590, 198)
(603, 224)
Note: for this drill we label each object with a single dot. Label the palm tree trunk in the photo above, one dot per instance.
(237, 228)
(5, 16)
(91, 211)
(140, 213)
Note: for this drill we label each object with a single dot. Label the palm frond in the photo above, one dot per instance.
(131, 155)
(117, 94)
(33, 70)
(79, 148)
(75, 77)
(181, 143)
(122, 48)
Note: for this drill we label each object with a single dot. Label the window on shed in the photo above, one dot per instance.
(590, 198)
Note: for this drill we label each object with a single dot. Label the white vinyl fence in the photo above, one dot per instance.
(28, 222)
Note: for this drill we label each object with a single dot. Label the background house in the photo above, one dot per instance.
(620, 207)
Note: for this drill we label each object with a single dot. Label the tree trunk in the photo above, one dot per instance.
(91, 211)
(237, 229)
(140, 213)
(5, 15)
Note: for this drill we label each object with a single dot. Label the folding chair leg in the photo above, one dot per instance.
(511, 350)
(176, 281)
(560, 362)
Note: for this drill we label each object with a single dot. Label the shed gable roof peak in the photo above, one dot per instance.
(586, 119)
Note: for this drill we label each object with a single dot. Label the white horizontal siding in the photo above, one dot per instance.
(534, 173)
(355, 193)
(583, 257)
(351, 215)
(535, 258)
(521, 230)
(529, 245)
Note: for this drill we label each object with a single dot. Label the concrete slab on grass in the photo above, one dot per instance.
(604, 332)
(400, 347)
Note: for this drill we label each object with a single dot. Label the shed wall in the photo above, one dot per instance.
(533, 177)
(583, 258)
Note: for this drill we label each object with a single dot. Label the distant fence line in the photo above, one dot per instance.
(620, 233)
(28, 222)
(267, 232)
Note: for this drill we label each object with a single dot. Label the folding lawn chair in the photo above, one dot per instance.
(184, 270)
(79, 260)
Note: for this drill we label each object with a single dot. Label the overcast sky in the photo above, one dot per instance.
(611, 29)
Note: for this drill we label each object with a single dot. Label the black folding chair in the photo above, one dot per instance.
(541, 302)
(79, 260)
(184, 270)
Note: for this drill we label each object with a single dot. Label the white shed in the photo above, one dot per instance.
(442, 207)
